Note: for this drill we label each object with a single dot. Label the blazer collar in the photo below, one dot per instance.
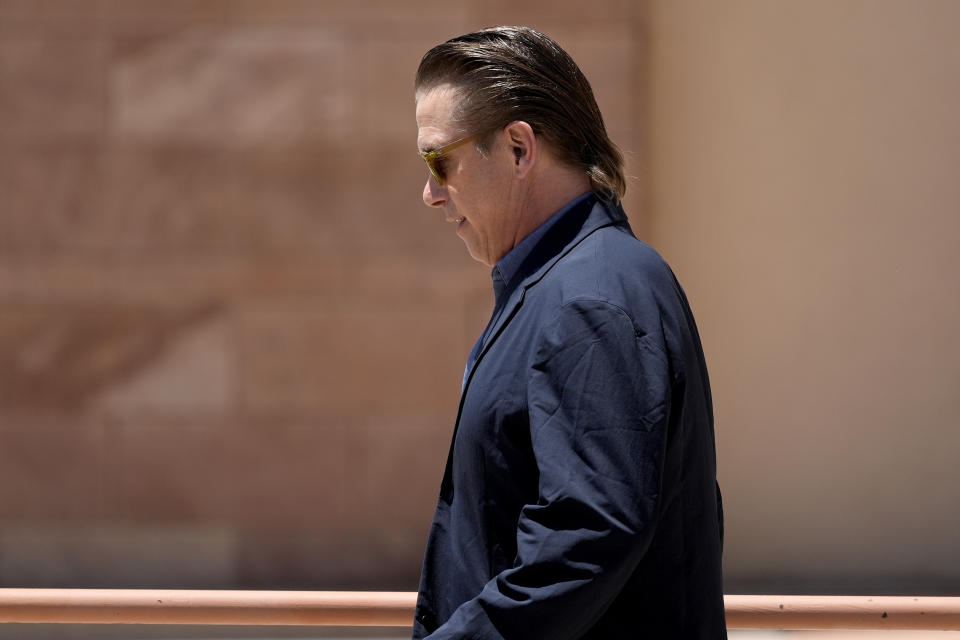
(576, 224)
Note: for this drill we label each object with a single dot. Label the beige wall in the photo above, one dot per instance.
(804, 181)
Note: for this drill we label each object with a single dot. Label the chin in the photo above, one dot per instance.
(479, 257)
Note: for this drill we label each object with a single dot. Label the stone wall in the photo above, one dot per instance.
(231, 334)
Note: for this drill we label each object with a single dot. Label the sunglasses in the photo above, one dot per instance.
(431, 157)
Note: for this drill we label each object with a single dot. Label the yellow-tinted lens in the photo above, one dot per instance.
(431, 160)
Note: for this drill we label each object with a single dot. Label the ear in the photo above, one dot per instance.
(524, 146)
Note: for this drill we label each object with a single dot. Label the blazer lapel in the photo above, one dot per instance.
(568, 232)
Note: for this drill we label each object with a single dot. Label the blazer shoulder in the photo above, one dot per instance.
(612, 265)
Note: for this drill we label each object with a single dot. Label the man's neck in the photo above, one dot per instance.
(556, 188)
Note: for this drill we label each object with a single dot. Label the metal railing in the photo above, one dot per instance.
(369, 608)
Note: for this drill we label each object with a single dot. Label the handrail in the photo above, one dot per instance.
(169, 606)
(373, 608)
(843, 612)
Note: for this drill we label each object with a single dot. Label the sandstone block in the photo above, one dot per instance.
(53, 468)
(51, 87)
(535, 13)
(193, 374)
(397, 462)
(58, 18)
(66, 356)
(70, 279)
(350, 357)
(118, 556)
(232, 87)
(407, 14)
(152, 14)
(46, 196)
(312, 559)
(280, 474)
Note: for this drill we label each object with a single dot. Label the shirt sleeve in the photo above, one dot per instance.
(599, 403)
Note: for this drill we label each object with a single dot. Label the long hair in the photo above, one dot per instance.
(506, 74)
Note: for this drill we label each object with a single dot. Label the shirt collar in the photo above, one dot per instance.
(504, 271)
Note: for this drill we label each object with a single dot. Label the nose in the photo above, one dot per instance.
(433, 194)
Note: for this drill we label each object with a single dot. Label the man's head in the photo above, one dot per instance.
(534, 135)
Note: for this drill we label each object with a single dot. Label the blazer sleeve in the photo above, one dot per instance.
(598, 402)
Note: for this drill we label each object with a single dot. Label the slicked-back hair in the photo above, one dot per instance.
(505, 74)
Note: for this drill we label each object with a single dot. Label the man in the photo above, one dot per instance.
(579, 498)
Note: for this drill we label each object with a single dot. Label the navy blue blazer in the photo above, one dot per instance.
(580, 498)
